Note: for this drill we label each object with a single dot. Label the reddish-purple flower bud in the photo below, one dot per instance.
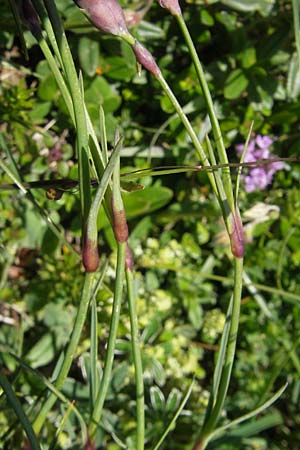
(119, 224)
(129, 259)
(237, 238)
(172, 6)
(90, 255)
(145, 58)
(26, 445)
(107, 15)
(31, 18)
(89, 445)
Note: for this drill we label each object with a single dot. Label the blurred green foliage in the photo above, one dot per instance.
(181, 253)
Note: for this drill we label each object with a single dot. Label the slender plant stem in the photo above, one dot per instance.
(48, 27)
(58, 77)
(211, 110)
(201, 153)
(71, 349)
(296, 12)
(93, 353)
(79, 108)
(212, 419)
(109, 358)
(137, 359)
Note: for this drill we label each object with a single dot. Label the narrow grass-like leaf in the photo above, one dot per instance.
(13, 176)
(94, 372)
(93, 353)
(103, 136)
(219, 142)
(10, 158)
(289, 297)
(238, 177)
(257, 296)
(18, 22)
(71, 348)
(191, 132)
(173, 421)
(93, 214)
(56, 392)
(39, 7)
(109, 357)
(220, 362)
(78, 104)
(62, 425)
(217, 174)
(137, 360)
(241, 436)
(17, 407)
(219, 431)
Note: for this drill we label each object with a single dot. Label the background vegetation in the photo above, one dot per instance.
(182, 257)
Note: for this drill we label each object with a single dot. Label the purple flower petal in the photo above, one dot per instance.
(263, 141)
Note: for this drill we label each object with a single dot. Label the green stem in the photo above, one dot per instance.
(58, 77)
(109, 358)
(201, 153)
(40, 9)
(93, 352)
(72, 346)
(213, 417)
(79, 108)
(211, 110)
(296, 12)
(137, 359)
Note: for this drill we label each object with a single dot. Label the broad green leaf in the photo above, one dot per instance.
(248, 57)
(235, 84)
(263, 6)
(157, 398)
(42, 352)
(47, 89)
(152, 330)
(173, 400)
(88, 52)
(118, 69)
(146, 201)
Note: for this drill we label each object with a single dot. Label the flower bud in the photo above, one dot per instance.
(172, 6)
(145, 58)
(31, 18)
(107, 15)
(129, 258)
(89, 445)
(26, 445)
(237, 238)
(90, 255)
(119, 224)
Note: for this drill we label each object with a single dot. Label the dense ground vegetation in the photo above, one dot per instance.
(181, 253)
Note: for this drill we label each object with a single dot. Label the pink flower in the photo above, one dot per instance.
(145, 58)
(171, 5)
(107, 15)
